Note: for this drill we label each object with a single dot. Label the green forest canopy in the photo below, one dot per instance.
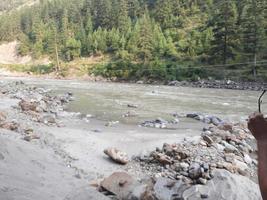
(152, 33)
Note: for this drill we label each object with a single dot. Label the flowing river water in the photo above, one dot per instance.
(108, 101)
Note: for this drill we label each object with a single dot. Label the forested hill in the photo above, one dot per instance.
(152, 34)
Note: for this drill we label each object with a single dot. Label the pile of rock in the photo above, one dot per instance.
(37, 102)
(219, 164)
(208, 119)
(160, 123)
(227, 146)
(224, 186)
(220, 84)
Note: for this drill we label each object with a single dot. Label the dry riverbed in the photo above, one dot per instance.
(49, 153)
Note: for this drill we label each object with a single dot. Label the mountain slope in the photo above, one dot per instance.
(8, 5)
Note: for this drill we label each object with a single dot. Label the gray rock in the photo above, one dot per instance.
(225, 186)
(219, 147)
(166, 189)
(2, 157)
(195, 171)
(137, 192)
(48, 119)
(202, 181)
(229, 148)
(240, 165)
(247, 159)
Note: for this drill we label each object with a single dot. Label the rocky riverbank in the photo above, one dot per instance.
(216, 84)
(219, 164)
(54, 148)
(223, 84)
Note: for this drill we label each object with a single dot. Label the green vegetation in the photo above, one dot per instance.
(147, 39)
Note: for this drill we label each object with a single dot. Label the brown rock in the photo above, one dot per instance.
(117, 155)
(119, 183)
(163, 159)
(208, 139)
(27, 106)
(226, 127)
(2, 116)
(229, 167)
(13, 126)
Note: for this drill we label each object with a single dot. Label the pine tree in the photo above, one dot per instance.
(102, 13)
(253, 31)
(145, 39)
(89, 25)
(225, 32)
(163, 13)
(73, 49)
(123, 20)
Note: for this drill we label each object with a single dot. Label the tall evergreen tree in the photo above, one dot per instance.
(225, 31)
(253, 31)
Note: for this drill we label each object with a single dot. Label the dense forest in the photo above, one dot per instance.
(156, 39)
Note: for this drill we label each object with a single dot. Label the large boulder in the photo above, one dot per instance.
(225, 186)
(120, 184)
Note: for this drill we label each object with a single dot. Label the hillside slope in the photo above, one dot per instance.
(8, 54)
(7, 5)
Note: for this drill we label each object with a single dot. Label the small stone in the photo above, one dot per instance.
(13, 126)
(29, 138)
(207, 139)
(167, 148)
(206, 167)
(240, 165)
(184, 166)
(132, 106)
(194, 170)
(247, 159)
(2, 116)
(219, 147)
(27, 105)
(163, 159)
(204, 196)
(203, 143)
(226, 127)
(202, 181)
(229, 148)
(229, 167)
(112, 123)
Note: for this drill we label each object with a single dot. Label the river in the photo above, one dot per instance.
(108, 101)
